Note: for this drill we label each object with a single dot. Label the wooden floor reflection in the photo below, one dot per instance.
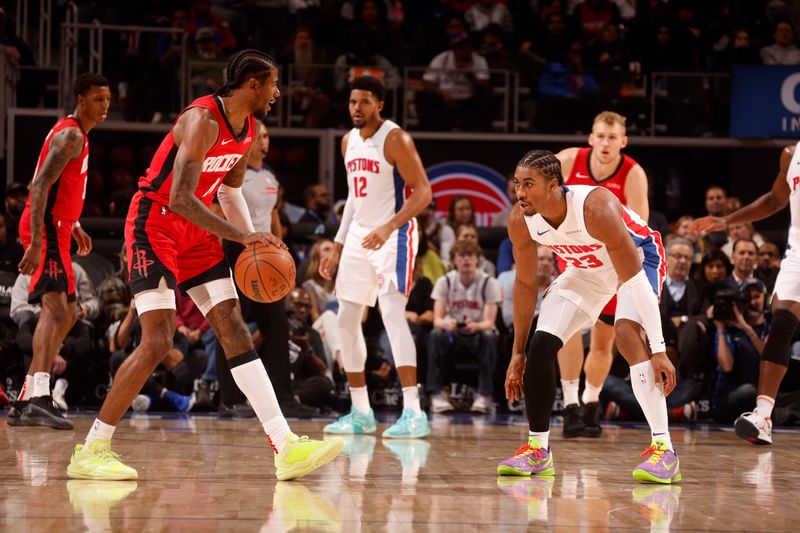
(203, 474)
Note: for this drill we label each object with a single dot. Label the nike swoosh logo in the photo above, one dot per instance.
(223, 143)
(671, 466)
(580, 175)
(542, 232)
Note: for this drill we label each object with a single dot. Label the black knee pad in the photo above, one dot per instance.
(778, 347)
(542, 349)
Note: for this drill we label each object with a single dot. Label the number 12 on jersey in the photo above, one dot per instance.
(360, 186)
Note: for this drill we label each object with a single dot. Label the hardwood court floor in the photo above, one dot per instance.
(204, 474)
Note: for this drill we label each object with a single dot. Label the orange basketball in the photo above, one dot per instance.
(264, 273)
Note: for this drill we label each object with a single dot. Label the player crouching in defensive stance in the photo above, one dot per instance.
(605, 246)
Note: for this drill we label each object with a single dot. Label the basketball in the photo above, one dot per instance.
(264, 273)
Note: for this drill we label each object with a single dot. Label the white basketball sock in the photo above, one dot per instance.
(411, 398)
(543, 438)
(360, 398)
(764, 405)
(651, 400)
(41, 384)
(27, 389)
(99, 431)
(569, 387)
(591, 393)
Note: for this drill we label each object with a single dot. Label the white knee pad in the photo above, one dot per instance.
(393, 310)
(210, 293)
(354, 347)
(160, 298)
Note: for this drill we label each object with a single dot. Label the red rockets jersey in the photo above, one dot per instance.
(219, 160)
(582, 175)
(66, 194)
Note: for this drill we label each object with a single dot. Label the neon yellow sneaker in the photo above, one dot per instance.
(97, 461)
(302, 455)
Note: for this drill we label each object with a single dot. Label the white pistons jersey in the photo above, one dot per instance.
(586, 257)
(376, 190)
(793, 180)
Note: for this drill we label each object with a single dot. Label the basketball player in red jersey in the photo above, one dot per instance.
(601, 164)
(172, 240)
(50, 217)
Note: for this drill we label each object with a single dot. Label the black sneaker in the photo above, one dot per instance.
(42, 411)
(295, 409)
(203, 397)
(573, 421)
(591, 420)
(240, 410)
(15, 412)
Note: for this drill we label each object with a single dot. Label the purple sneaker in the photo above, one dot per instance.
(662, 466)
(529, 459)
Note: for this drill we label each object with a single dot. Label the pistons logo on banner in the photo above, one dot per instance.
(485, 187)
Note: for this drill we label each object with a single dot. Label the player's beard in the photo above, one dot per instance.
(260, 113)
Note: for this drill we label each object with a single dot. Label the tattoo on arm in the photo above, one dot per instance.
(65, 145)
(183, 201)
(235, 176)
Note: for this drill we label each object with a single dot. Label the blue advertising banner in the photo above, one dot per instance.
(765, 101)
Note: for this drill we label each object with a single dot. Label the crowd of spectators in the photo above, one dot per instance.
(565, 52)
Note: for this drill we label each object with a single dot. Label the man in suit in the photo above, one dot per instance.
(683, 304)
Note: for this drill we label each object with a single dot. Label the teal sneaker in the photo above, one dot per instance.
(410, 425)
(353, 423)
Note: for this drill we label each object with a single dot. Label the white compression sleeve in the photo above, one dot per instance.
(647, 306)
(233, 204)
(347, 217)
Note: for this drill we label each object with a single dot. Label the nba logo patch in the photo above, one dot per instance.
(380, 281)
(643, 378)
(163, 210)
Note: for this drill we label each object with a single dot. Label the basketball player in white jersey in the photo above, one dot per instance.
(608, 249)
(756, 426)
(375, 249)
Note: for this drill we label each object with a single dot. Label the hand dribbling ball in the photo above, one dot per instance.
(264, 272)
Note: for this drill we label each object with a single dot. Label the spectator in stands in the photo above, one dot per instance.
(591, 15)
(661, 54)
(363, 58)
(464, 313)
(716, 206)
(468, 232)
(293, 212)
(122, 337)
(769, 262)
(16, 51)
(608, 59)
(689, 36)
(546, 269)
(740, 231)
(373, 16)
(190, 322)
(206, 64)
(439, 235)
(738, 347)
(745, 252)
(318, 203)
(323, 303)
(309, 82)
(682, 230)
(683, 304)
(460, 211)
(495, 49)
(554, 42)
(784, 51)
(486, 12)
(430, 264)
(501, 220)
(310, 381)
(203, 18)
(456, 89)
(569, 79)
(743, 52)
(714, 269)
(16, 195)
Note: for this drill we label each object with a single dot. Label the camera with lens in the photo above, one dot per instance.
(296, 328)
(724, 301)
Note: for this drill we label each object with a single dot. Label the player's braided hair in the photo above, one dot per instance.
(545, 162)
(245, 64)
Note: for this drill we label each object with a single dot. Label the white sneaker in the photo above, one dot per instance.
(754, 428)
(59, 390)
(482, 404)
(141, 403)
(440, 404)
